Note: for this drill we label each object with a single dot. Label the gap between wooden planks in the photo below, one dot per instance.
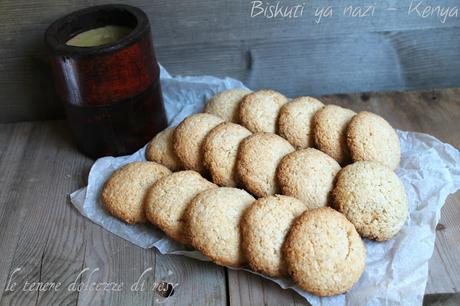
(49, 240)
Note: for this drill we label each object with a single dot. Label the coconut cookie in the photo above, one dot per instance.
(295, 121)
(370, 137)
(168, 198)
(160, 150)
(220, 150)
(373, 198)
(329, 132)
(324, 253)
(225, 104)
(257, 160)
(264, 228)
(308, 175)
(259, 110)
(213, 219)
(189, 136)
(124, 192)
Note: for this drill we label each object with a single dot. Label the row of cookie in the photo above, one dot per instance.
(264, 163)
(230, 152)
(370, 195)
(332, 127)
(275, 235)
(267, 164)
(307, 122)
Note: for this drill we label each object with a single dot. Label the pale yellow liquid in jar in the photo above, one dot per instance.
(99, 36)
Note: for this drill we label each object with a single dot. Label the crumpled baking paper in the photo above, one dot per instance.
(396, 271)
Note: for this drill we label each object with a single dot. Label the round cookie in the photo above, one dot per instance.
(225, 104)
(370, 137)
(295, 121)
(124, 192)
(213, 219)
(373, 198)
(160, 150)
(220, 149)
(264, 227)
(168, 198)
(258, 158)
(259, 110)
(324, 253)
(308, 175)
(329, 132)
(189, 136)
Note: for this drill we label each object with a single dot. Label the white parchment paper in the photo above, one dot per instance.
(396, 271)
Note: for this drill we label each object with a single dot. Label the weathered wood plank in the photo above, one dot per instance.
(332, 64)
(13, 141)
(445, 263)
(198, 283)
(110, 259)
(248, 289)
(41, 233)
(44, 236)
(48, 231)
(392, 50)
(177, 22)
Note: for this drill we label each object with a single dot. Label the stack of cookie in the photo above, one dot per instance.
(257, 180)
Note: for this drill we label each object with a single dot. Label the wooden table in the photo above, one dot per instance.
(44, 239)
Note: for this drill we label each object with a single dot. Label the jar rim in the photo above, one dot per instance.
(66, 27)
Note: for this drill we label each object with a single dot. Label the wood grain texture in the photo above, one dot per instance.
(392, 50)
(49, 240)
(247, 289)
(198, 283)
(42, 249)
(45, 237)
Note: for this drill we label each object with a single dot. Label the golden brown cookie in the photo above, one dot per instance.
(160, 149)
(295, 121)
(124, 192)
(330, 132)
(225, 104)
(324, 253)
(258, 158)
(259, 110)
(220, 149)
(370, 137)
(308, 175)
(189, 136)
(213, 219)
(167, 200)
(264, 228)
(373, 198)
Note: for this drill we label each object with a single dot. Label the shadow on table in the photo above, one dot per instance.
(444, 299)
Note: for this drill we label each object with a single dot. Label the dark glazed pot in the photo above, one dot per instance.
(112, 93)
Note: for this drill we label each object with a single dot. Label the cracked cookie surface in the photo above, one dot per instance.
(257, 161)
(160, 149)
(213, 221)
(189, 136)
(324, 253)
(264, 228)
(220, 149)
(373, 198)
(167, 200)
(258, 111)
(372, 138)
(330, 132)
(124, 192)
(225, 104)
(295, 121)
